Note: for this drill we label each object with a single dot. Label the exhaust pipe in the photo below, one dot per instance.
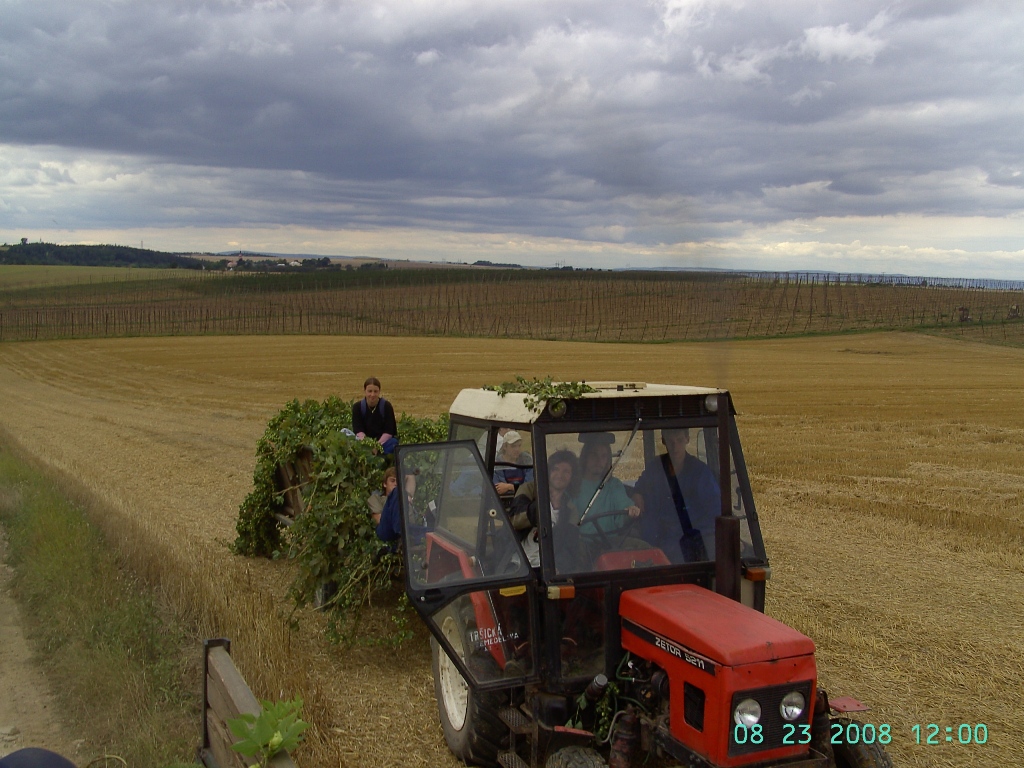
(727, 527)
(626, 735)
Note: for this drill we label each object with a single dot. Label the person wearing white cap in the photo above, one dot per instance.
(512, 466)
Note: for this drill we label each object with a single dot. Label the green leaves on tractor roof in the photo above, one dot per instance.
(541, 391)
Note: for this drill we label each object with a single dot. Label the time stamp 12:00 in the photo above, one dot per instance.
(869, 733)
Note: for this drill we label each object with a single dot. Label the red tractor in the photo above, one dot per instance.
(593, 575)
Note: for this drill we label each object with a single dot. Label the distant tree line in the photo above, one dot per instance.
(100, 256)
(485, 263)
(126, 256)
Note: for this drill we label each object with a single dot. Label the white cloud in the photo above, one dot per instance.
(839, 43)
(1011, 177)
(258, 48)
(425, 58)
(616, 233)
(679, 16)
(810, 93)
(749, 65)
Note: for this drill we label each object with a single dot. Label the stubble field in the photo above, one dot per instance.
(888, 471)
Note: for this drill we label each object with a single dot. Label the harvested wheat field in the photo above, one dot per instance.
(888, 471)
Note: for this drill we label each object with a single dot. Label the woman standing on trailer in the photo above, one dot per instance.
(374, 417)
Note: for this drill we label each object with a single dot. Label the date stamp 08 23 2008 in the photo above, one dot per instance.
(870, 733)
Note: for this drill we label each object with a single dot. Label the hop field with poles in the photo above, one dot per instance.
(534, 304)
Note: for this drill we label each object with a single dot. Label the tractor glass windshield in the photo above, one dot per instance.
(470, 432)
(454, 526)
(636, 499)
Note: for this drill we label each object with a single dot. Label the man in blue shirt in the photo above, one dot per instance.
(679, 501)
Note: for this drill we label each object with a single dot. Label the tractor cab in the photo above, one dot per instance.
(554, 547)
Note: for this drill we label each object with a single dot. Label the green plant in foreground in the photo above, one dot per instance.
(277, 727)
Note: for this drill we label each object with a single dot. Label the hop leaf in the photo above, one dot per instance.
(277, 727)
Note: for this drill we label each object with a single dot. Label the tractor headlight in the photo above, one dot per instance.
(792, 705)
(747, 713)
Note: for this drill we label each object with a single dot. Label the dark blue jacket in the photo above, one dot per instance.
(661, 524)
(390, 526)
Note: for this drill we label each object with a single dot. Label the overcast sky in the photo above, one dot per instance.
(852, 136)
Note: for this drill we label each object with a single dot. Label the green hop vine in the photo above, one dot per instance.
(540, 391)
(333, 541)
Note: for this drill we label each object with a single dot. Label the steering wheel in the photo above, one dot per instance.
(621, 530)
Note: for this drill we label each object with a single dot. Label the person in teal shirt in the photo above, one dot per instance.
(596, 460)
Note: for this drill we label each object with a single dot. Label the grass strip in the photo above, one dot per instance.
(123, 672)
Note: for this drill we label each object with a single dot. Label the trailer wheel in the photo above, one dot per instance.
(469, 718)
(323, 594)
(859, 755)
(575, 757)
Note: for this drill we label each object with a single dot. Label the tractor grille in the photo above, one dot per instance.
(693, 706)
(772, 724)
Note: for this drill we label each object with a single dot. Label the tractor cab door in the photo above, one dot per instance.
(466, 573)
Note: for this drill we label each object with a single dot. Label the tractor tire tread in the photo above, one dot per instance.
(484, 734)
(575, 757)
(859, 755)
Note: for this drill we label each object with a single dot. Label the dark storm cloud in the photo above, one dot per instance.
(552, 117)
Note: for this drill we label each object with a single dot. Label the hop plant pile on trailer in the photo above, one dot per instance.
(309, 503)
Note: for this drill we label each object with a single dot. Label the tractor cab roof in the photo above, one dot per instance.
(512, 408)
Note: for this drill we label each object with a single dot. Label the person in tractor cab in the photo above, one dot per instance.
(596, 463)
(378, 499)
(389, 529)
(679, 500)
(562, 470)
(515, 464)
(374, 417)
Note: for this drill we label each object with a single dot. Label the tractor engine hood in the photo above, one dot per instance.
(709, 625)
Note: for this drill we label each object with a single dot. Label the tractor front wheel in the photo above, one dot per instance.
(859, 755)
(469, 718)
(576, 757)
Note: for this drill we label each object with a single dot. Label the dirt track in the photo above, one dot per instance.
(28, 715)
(888, 470)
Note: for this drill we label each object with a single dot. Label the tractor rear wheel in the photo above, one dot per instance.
(469, 718)
(859, 755)
(575, 757)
